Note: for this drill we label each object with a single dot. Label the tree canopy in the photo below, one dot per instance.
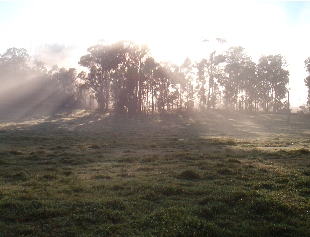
(124, 76)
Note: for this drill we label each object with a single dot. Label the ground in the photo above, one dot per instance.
(83, 173)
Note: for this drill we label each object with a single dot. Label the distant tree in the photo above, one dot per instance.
(214, 73)
(218, 75)
(201, 82)
(187, 71)
(307, 79)
(128, 84)
(101, 61)
(41, 84)
(117, 76)
(39, 68)
(239, 77)
(133, 76)
(249, 85)
(64, 81)
(162, 77)
(148, 95)
(125, 76)
(85, 95)
(14, 65)
(14, 75)
(176, 80)
(28, 83)
(180, 84)
(273, 79)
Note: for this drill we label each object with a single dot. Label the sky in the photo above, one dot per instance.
(173, 30)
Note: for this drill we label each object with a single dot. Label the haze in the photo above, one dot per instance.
(154, 118)
(172, 30)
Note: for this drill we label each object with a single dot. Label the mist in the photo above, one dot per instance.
(154, 118)
(226, 78)
(57, 54)
(31, 87)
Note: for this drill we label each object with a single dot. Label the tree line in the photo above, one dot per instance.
(124, 76)
(26, 82)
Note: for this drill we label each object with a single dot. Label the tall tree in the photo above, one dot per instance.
(273, 79)
(249, 86)
(187, 70)
(201, 82)
(150, 66)
(64, 82)
(236, 81)
(162, 77)
(180, 80)
(14, 65)
(214, 74)
(133, 75)
(307, 79)
(14, 76)
(129, 81)
(101, 61)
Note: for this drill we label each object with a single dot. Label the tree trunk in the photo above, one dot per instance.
(152, 100)
(139, 97)
(107, 92)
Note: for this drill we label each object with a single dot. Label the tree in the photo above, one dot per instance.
(307, 79)
(133, 75)
(129, 79)
(180, 80)
(14, 76)
(14, 65)
(273, 79)
(63, 83)
(102, 60)
(187, 71)
(249, 86)
(162, 78)
(39, 68)
(239, 77)
(116, 75)
(214, 73)
(201, 82)
(34, 86)
(148, 71)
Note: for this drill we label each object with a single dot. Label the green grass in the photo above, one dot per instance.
(148, 177)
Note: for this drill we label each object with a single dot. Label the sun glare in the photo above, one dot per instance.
(172, 30)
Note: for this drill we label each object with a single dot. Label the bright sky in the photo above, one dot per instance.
(172, 29)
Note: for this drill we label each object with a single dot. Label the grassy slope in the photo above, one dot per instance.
(86, 174)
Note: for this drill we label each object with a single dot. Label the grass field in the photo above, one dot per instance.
(82, 173)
